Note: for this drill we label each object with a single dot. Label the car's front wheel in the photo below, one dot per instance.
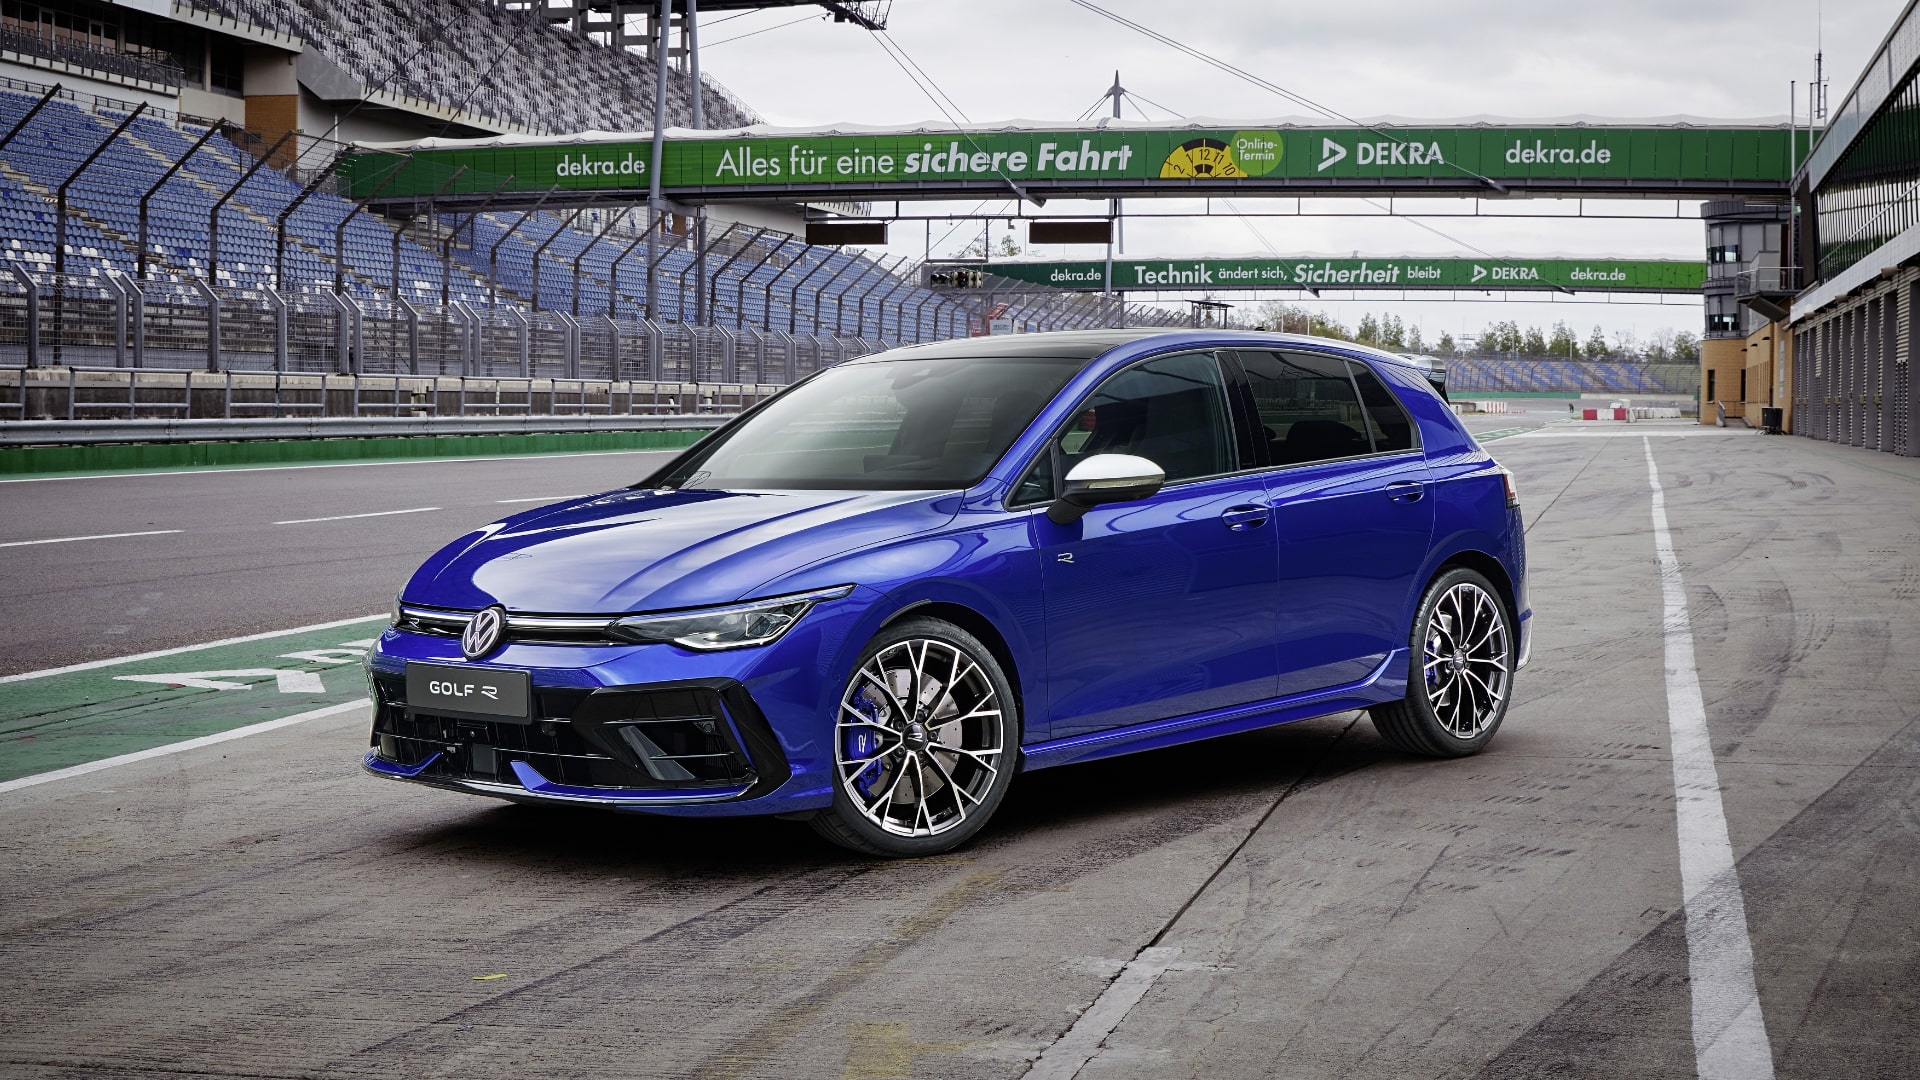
(926, 737)
(1460, 677)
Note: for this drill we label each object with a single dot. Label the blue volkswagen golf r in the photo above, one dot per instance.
(877, 596)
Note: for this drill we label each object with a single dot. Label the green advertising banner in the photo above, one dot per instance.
(1403, 272)
(1139, 160)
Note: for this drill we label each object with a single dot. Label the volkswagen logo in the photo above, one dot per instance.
(482, 635)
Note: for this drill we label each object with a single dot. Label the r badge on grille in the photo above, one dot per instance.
(482, 635)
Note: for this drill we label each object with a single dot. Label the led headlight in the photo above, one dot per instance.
(735, 626)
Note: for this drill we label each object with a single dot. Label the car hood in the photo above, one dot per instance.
(628, 551)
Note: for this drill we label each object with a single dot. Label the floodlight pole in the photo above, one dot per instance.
(446, 246)
(140, 259)
(213, 216)
(659, 138)
(493, 254)
(286, 213)
(693, 59)
(60, 195)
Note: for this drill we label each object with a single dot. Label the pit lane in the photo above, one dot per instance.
(260, 908)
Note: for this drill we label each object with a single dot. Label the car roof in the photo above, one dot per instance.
(1088, 345)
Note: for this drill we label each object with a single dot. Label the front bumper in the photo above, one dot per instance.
(644, 728)
(665, 744)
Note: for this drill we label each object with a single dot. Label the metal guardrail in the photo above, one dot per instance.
(99, 432)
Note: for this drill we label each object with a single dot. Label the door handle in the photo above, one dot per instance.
(1241, 518)
(1406, 490)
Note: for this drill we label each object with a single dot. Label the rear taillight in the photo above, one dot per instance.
(1506, 477)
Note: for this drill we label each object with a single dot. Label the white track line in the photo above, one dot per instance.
(1625, 433)
(179, 747)
(156, 654)
(329, 465)
(1729, 1032)
(351, 517)
(101, 536)
(1065, 1058)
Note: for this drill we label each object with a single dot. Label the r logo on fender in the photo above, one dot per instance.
(1065, 557)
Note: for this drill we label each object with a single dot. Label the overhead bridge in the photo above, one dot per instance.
(1315, 272)
(1693, 159)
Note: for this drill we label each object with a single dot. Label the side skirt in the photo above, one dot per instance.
(1388, 682)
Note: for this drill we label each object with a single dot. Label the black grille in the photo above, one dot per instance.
(664, 738)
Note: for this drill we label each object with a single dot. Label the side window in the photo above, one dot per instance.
(1387, 419)
(1307, 407)
(1037, 485)
(1171, 411)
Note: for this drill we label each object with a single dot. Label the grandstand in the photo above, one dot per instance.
(1497, 374)
(590, 264)
(191, 153)
(487, 62)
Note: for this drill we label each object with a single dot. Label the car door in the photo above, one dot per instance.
(1163, 606)
(1352, 515)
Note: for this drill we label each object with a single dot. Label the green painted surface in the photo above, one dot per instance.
(904, 162)
(1316, 272)
(56, 460)
(60, 720)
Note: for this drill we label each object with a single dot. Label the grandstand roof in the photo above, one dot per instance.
(1197, 123)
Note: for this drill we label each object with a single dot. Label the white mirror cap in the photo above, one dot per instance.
(1116, 470)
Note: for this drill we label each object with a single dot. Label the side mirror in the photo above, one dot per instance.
(1102, 479)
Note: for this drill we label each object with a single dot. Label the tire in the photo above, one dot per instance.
(926, 737)
(1461, 665)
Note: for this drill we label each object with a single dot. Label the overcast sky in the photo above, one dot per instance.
(1049, 60)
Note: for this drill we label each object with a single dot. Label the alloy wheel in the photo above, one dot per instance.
(917, 740)
(1466, 661)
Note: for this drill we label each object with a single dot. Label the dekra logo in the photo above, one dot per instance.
(1394, 151)
(583, 166)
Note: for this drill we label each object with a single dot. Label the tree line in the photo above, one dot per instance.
(1505, 338)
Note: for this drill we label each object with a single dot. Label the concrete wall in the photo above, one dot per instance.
(1722, 362)
(1759, 363)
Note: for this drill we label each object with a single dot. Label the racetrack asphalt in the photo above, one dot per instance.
(1314, 904)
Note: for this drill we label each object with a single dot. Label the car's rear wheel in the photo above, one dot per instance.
(926, 736)
(1460, 677)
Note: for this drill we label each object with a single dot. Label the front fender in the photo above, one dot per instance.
(984, 562)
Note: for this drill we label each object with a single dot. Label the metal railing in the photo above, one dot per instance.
(81, 54)
(112, 321)
(76, 394)
(1761, 280)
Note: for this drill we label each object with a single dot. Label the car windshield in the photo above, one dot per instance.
(908, 424)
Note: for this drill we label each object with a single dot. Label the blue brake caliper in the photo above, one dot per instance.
(864, 742)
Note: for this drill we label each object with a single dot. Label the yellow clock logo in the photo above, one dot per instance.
(1205, 159)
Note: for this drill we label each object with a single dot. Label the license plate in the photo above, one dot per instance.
(493, 693)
